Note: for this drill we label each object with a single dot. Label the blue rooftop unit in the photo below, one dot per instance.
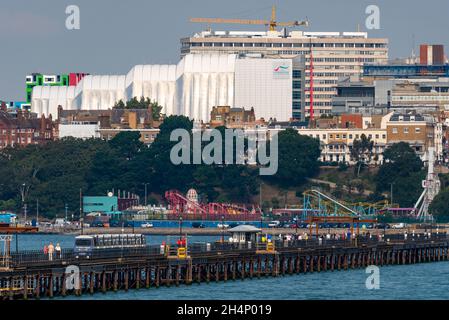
(104, 204)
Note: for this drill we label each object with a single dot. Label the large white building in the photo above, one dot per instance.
(335, 55)
(191, 88)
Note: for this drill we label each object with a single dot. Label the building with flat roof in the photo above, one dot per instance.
(335, 55)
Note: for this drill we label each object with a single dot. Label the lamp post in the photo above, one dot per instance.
(391, 193)
(145, 184)
(222, 229)
(180, 227)
(66, 207)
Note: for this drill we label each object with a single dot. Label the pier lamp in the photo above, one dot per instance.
(180, 227)
(222, 229)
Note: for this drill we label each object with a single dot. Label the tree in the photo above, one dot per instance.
(143, 103)
(439, 207)
(402, 167)
(362, 151)
(127, 143)
(297, 158)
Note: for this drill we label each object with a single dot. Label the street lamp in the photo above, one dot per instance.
(145, 184)
(66, 207)
(180, 227)
(222, 229)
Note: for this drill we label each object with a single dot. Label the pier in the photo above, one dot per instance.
(32, 275)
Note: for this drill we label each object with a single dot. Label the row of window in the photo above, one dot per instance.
(405, 130)
(344, 136)
(283, 45)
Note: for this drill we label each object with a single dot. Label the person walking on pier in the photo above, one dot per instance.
(58, 251)
(51, 250)
(45, 250)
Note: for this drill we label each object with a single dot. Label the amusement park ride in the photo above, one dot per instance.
(189, 208)
(317, 206)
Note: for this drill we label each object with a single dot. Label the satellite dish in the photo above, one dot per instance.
(110, 194)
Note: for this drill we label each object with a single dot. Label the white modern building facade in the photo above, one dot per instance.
(191, 88)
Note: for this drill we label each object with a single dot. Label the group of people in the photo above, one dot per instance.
(52, 251)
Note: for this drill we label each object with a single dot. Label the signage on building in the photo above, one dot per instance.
(281, 70)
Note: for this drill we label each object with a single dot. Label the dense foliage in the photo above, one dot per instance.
(143, 103)
(54, 174)
(403, 169)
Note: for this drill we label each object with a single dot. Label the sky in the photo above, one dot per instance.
(115, 35)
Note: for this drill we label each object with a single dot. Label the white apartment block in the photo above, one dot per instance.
(335, 55)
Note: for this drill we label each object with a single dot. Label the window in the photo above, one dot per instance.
(406, 130)
(417, 130)
(296, 84)
(395, 130)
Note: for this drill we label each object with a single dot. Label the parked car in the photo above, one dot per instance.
(97, 224)
(222, 226)
(147, 225)
(274, 224)
(198, 225)
(398, 225)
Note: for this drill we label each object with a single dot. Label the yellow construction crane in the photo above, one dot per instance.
(271, 23)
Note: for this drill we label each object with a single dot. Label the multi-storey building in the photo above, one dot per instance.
(22, 129)
(334, 55)
(38, 79)
(421, 97)
(419, 131)
(336, 141)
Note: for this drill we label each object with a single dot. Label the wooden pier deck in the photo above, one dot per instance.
(32, 275)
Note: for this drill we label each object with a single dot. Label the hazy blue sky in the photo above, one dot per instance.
(115, 35)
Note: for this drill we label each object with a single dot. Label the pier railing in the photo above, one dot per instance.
(154, 251)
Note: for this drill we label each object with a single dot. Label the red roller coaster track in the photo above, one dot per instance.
(180, 206)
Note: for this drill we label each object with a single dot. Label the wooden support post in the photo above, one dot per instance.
(332, 257)
(311, 262)
(147, 278)
(50, 286)
(11, 288)
(290, 270)
(198, 275)
(251, 268)
(304, 264)
(38, 286)
(91, 283)
(345, 257)
(115, 276)
(217, 272)
(189, 272)
(63, 286)
(207, 273)
(225, 271)
(138, 276)
(157, 276)
(234, 270)
(275, 269)
(339, 262)
(178, 275)
(243, 269)
(126, 280)
(25, 287)
(103, 282)
(318, 263)
(298, 264)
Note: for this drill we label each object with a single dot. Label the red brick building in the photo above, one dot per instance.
(21, 129)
